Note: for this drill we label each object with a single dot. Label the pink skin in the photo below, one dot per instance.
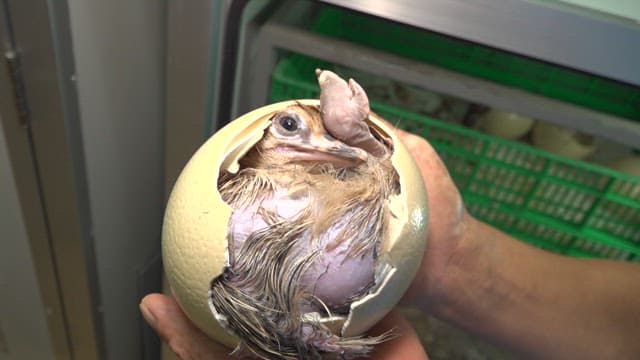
(334, 278)
(345, 107)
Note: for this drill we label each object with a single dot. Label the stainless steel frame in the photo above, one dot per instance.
(576, 37)
(563, 34)
(276, 35)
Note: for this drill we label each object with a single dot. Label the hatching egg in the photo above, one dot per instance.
(195, 234)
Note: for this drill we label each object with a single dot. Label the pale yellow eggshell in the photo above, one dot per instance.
(629, 164)
(561, 141)
(194, 245)
(505, 124)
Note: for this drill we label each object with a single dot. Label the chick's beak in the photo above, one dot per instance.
(326, 148)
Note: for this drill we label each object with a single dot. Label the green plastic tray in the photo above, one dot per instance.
(565, 206)
(539, 77)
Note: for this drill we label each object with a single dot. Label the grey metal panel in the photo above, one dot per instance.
(45, 165)
(119, 53)
(279, 36)
(254, 53)
(27, 187)
(23, 327)
(257, 57)
(61, 37)
(567, 35)
(194, 31)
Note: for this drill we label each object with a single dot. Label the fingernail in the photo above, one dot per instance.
(147, 314)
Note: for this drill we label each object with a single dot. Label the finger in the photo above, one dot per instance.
(183, 337)
(406, 345)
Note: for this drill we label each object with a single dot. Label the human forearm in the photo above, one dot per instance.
(536, 303)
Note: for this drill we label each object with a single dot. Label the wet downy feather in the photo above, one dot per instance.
(265, 291)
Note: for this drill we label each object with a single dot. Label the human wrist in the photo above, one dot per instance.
(487, 286)
(465, 277)
(434, 284)
(452, 274)
(535, 303)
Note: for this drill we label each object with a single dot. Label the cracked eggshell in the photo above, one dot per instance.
(194, 245)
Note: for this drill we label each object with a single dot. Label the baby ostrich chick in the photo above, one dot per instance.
(309, 215)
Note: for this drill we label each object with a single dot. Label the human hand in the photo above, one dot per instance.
(188, 342)
(445, 227)
(488, 283)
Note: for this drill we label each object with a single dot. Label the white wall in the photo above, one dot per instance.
(22, 318)
(118, 48)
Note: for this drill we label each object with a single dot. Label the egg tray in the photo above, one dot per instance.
(466, 57)
(563, 205)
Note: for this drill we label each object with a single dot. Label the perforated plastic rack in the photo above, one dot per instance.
(569, 207)
(535, 76)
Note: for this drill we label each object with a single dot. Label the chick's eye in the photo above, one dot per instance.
(289, 123)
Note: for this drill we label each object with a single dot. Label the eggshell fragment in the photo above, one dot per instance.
(194, 244)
